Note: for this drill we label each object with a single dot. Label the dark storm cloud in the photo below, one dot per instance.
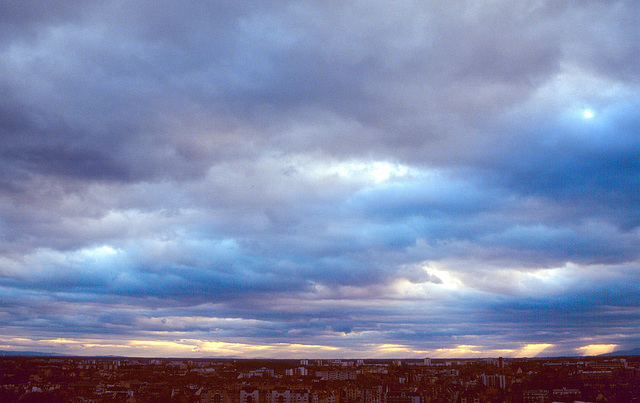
(343, 174)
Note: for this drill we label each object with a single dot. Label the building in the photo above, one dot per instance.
(495, 381)
(249, 395)
(535, 396)
(403, 397)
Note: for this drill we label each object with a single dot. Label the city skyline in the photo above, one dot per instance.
(325, 180)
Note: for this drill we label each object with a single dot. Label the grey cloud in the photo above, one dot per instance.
(144, 73)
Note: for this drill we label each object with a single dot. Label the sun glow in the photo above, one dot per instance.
(392, 347)
(588, 114)
(532, 350)
(597, 349)
(463, 350)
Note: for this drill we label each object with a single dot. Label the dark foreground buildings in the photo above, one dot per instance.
(133, 380)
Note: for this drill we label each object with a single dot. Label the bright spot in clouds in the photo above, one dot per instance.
(381, 171)
(378, 171)
(101, 251)
(588, 114)
(448, 279)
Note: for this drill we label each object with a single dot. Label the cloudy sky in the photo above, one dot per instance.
(320, 178)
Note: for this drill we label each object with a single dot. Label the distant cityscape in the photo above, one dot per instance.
(489, 380)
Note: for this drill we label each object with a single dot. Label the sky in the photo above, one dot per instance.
(320, 179)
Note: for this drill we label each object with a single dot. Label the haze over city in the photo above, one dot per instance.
(327, 179)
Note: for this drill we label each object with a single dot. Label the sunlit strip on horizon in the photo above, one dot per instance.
(596, 349)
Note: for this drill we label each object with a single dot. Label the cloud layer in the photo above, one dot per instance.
(306, 179)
